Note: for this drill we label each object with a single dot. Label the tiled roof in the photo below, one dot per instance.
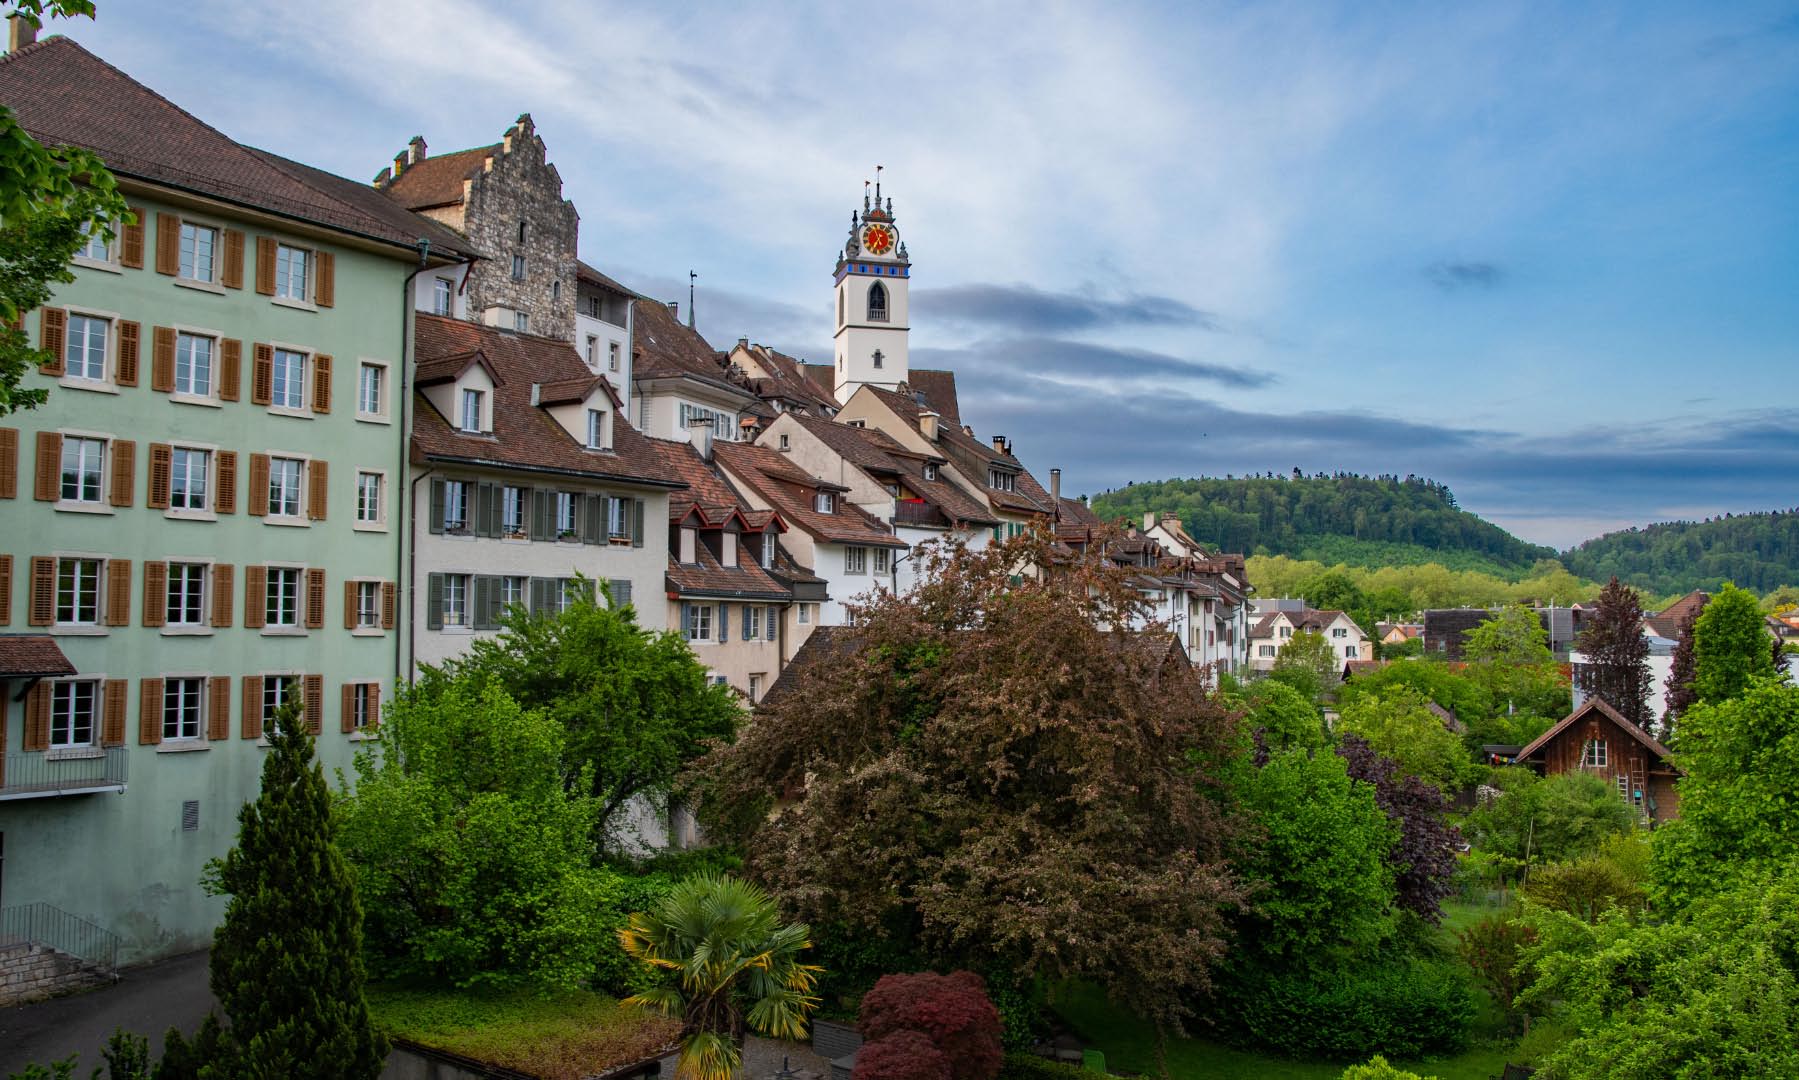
(442, 239)
(524, 435)
(27, 655)
(584, 272)
(826, 645)
(1078, 512)
(667, 348)
(64, 95)
(939, 389)
(875, 450)
(1302, 620)
(448, 368)
(705, 488)
(569, 391)
(770, 473)
(973, 457)
(786, 380)
(1667, 622)
(437, 181)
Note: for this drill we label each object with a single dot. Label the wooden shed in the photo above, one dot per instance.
(1596, 739)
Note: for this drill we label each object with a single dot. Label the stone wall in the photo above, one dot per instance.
(522, 186)
(30, 972)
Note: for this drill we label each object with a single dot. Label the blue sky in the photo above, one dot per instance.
(1548, 254)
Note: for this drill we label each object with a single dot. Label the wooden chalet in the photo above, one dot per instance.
(1596, 739)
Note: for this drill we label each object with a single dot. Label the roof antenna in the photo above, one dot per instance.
(691, 278)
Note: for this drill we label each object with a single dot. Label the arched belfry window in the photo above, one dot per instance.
(877, 302)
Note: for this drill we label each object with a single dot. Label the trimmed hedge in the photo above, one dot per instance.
(1405, 1008)
(1023, 1066)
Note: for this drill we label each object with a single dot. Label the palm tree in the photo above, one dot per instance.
(732, 967)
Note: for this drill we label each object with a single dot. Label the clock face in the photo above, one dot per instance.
(877, 239)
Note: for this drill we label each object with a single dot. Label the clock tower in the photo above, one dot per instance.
(871, 276)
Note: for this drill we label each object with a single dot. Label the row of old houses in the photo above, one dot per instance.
(306, 435)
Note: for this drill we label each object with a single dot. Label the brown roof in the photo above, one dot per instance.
(442, 239)
(786, 379)
(973, 457)
(437, 181)
(876, 451)
(31, 655)
(1590, 705)
(64, 95)
(939, 389)
(449, 368)
(1301, 620)
(667, 348)
(584, 272)
(524, 436)
(705, 488)
(773, 476)
(708, 491)
(1667, 622)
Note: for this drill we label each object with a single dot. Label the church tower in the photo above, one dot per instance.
(872, 312)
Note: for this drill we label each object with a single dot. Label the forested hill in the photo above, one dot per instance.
(1759, 552)
(1359, 520)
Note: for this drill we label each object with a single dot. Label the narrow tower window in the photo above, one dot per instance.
(521, 232)
(839, 307)
(877, 302)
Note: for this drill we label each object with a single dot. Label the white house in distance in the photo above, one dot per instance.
(1284, 618)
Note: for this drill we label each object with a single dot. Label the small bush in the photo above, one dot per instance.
(951, 1010)
(1378, 1069)
(1404, 1007)
(902, 1055)
(1019, 1065)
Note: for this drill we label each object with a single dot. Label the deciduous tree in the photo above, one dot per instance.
(1400, 725)
(1730, 646)
(1423, 857)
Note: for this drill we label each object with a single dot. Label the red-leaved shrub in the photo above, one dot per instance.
(901, 1055)
(952, 1011)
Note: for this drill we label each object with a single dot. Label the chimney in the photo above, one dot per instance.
(743, 343)
(399, 164)
(674, 308)
(1002, 444)
(699, 432)
(417, 153)
(1149, 520)
(20, 33)
(927, 424)
(968, 430)
(1055, 486)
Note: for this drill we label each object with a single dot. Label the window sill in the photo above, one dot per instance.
(283, 631)
(82, 507)
(368, 631)
(197, 399)
(300, 413)
(200, 286)
(73, 753)
(190, 515)
(515, 538)
(286, 522)
(360, 735)
(96, 264)
(70, 382)
(457, 630)
(297, 305)
(187, 631)
(373, 418)
(78, 630)
(182, 746)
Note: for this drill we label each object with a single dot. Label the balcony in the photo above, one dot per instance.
(918, 512)
(40, 776)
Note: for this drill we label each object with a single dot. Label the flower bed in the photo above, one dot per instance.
(552, 1035)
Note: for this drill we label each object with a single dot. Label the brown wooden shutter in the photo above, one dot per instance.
(315, 599)
(218, 707)
(231, 368)
(388, 591)
(318, 488)
(347, 700)
(161, 462)
(265, 265)
(321, 384)
(124, 472)
(223, 580)
(224, 496)
(112, 714)
(52, 336)
(49, 466)
(262, 375)
(5, 595)
(315, 702)
(324, 291)
(131, 241)
(149, 712)
(43, 591)
(118, 592)
(374, 717)
(37, 717)
(251, 724)
(9, 463)
(256, 500)
(162, 359)
(350, 605)
(168, 244)
(126, 373)
(231, 274)
(256, 596)
(156, 592)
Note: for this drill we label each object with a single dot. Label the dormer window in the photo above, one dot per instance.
(598, 437)
(727, 549)
(877, 302)
(930, 471)
(690, 542)
(768, 551)
(1001, 480)
(824, 502)
(471, 409)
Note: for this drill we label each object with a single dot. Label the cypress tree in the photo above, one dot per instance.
(287, 963)
(1730, 646)
(1617, 667)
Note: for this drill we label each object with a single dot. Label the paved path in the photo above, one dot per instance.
(147, 1000)
(762, 1059)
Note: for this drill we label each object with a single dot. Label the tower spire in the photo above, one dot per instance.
(691, 278)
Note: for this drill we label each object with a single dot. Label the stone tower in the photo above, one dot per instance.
(871, 305)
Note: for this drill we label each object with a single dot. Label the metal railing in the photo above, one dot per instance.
(42, 924)
(40, 776)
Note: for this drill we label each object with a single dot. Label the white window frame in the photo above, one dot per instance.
(277, 687)
(881, 556)
(1002, 480)
(568, 517)
(378, 520)
(188, 694)
(454, 612)
(361, 695)
(96, 584)
(514, 512)
(368, 605)
(752, 615)
(514, 589)
(286, 288)
(63, 716)
(612, 355)
(82, 442)
(379, 369)
(182, 594)
(187, 343)
(825, 502)
(270, 509)
(696, 621)
(281, 388)
(275, 600)
(108, 347)
(599, 433)
(106, 260)
(458, 494)
(855, 560)
(471, 402)
(188, 256)
(181, 468)
(1594, 754)
(443, 297)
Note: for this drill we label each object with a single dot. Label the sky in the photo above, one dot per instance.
(1546, 254)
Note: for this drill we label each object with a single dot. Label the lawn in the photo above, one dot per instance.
(557, 1035)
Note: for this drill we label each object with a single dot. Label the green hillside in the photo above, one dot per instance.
(1759, 552)
(1358, 520)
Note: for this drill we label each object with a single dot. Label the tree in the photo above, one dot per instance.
(729, 966)
(951, 1011)
(1682, 694)
(473, 857)
(1283, 717)
(1423, 857)
(956, 790)
(1307, 663)
(1509, 656)
(1400, 725)
(1458, 693)
(1617, 655)
(287, 962)
(1513, 636)
(1494, 948)
(1730, 646)
(1738, 798)
(636, 704)
(51, 200)
(1536, 820)
(1586, 888)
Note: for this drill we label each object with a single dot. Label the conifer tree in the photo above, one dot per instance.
(1681, 695)
(287, 962)
(1730, 646)
(1617, 667)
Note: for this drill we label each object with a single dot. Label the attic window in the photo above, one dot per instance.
(930, 471)
(1592, 755)
(689, 544)
(824, 502)
(768, 550)
(471, 410)
(1001, 480)
(785, 444)
(856, 423)
(599, 437)
(727, 551)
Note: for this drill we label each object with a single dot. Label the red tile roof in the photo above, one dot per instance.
(437, 181)
(773, 477)
(666, 348)
(64, 95)
(584, 272)
(876, 451)
(974, 457)
(524, 436)
(29, 655)
(1668, 621)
